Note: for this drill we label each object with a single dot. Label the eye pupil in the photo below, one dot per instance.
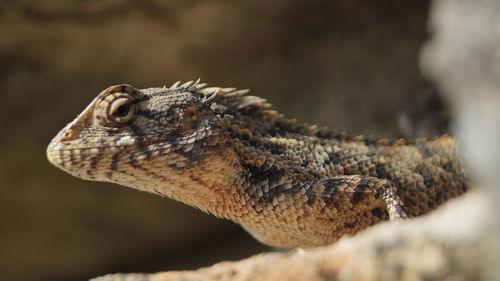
(122, 111)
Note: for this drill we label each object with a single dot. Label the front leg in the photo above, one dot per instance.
(359, 189)
(311, 214)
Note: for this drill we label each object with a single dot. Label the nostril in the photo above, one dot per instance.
(68, 135)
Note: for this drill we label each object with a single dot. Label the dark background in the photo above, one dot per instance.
(347, 64)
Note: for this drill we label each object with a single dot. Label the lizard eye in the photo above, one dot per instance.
(121, 110)
(191, 119)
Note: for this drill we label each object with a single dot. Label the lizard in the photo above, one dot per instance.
(229, 153)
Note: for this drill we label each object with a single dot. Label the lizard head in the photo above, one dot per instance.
(157, 140)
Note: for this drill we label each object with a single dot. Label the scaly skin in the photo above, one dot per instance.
(230, 154)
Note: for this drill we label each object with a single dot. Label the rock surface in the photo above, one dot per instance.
(436, 247)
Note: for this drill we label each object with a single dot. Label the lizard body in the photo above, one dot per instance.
(228, 153)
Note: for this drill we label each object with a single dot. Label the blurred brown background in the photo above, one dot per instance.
(348, 64)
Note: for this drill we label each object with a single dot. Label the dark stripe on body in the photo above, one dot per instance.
(133, 163)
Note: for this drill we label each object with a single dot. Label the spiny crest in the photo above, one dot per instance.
(255, 106)
(229, 97)
(239, 101)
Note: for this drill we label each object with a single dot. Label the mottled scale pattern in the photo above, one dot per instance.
(230, 154)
